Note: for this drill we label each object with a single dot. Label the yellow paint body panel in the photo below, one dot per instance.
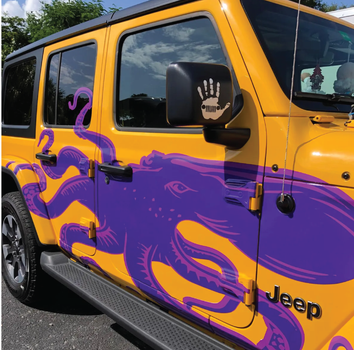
(344, 336)
(319, 150)
(206, 265)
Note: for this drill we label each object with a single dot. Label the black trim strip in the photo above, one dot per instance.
(57, 88)
(146, 8)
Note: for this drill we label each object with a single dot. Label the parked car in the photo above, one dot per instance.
(346, 14)
(172, 165)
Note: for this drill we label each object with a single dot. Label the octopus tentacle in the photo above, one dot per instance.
(148, 283)
(146, 274)
(31, 193)
(220, 227)
(284, 330)
(89, 261)
(79, 128)
(196, 251)
(226, 305)
(50, 134)
(22, 167)
(106, 146)
(41, 177)
(72, 233)
(110, 240)
(45, 165)
(202, 275)
(68, 156)
(79, 188)
(106, 239)
(87, 107)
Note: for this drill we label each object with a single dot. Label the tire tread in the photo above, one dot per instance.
(36, 276)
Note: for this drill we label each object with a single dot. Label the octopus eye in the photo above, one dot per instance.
(177, 187)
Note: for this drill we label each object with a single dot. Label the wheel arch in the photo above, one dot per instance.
(10, 183)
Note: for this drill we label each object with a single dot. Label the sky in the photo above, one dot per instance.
(20, 7)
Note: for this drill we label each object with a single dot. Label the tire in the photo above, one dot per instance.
(20, 253)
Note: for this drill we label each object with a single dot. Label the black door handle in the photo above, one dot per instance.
(51, 158)
(124, 171)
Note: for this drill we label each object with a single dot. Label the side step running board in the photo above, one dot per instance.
(155, 327)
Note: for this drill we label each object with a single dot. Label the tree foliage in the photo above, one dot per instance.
(316, 4)
(14, 33)
(334, 7)
(59, 15)
(52, 17)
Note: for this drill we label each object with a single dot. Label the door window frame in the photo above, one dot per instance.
(47, 68)
(26, 131)
(155, 25)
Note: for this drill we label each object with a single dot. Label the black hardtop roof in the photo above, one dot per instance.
(100, 22)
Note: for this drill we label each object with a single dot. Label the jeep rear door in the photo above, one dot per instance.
(68, 105)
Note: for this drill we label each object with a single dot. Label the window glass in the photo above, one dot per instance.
(19, 93)
(145, 57)
(324, 58)
(69, 71)
(51, 90)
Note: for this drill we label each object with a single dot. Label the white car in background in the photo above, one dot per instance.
(346, 14)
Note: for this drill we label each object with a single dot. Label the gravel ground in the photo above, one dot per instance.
(62, 321)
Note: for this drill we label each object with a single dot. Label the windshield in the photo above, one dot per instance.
(324, 59)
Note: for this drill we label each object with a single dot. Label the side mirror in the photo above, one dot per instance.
(198, 94)
(202, 94)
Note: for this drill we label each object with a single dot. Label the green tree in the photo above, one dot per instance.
(334, 7)
(316, 4)
(53, 17)
(58, 15)
(14, 35)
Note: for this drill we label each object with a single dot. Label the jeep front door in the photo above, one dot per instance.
(174, 209)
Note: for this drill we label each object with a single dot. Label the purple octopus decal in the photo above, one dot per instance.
(339, 342)
(167, 189)
(313, 245)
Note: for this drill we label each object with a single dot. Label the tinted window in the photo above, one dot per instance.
(51, 90)
(68, 71)
(324, 59)
(145, 57)
(19, 93)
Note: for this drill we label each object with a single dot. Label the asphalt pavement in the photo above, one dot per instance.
(62, 321)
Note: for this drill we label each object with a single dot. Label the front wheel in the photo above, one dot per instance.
(20, 253)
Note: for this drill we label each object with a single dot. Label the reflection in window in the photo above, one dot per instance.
(145, 57)
(69, 71)
(51, 90)
(19, 93)
(324, 56)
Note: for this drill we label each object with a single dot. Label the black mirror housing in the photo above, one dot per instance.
(199, 94)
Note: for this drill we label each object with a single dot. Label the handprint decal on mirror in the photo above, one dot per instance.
(210, 103)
